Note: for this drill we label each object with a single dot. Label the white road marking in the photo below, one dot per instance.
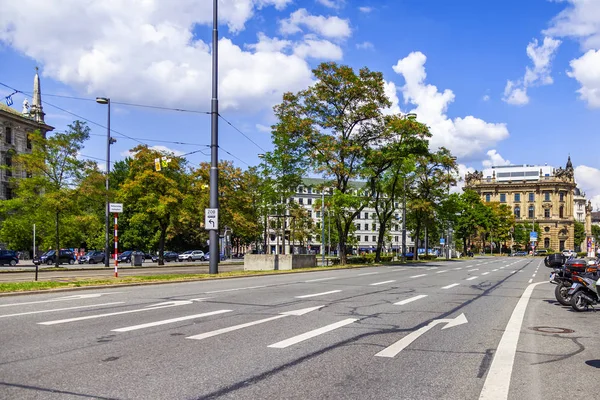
(321, 279)
(494, 270)
(257, 322)
(439, 272)
(533, 276)
(368, 273)
(485, 273)
(501, 267)
(381, 283)
(531, 280)
(149, 308)
(512, 272)
(306, 296)
(311, 334)
(60, 309)
(394, 349)
(418, 276)
(410, 300)
(234, 290)
(457, 269)
(471, 278)
(474, 269)
(65, 298)
(169, 321)
(497, 382)
(451, 286)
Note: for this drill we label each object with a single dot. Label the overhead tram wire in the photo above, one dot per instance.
(242, 133)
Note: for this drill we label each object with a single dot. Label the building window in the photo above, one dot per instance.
(309, 201)
(374, 216)
(358, 239)
(318, 214)
(546, 196)
(8, 135)
(396, 239)
(531, 212)
(546, 213)
(8, 193)
(28, 142)
(546, 229)
(366, 227)
(488, 197)
(561, 196)
(396, 228)
(561, 212)
(502, 197)
(8, 164)
(374, 227)
(366, 238)
(374, 238)
(310, 214)
(517, 197)
(309, 190)
(517, 212)
(546, 242)
(300, 200)
(366, 215)
(358, 227)
(561, 245)
(531, 196)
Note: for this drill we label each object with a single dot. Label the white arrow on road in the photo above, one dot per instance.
(248, 324)
(403, 343)
(65, 298)
(148, 308)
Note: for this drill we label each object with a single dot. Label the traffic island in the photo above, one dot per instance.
(278, 262)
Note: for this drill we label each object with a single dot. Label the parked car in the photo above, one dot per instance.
(222, 256)
(126, 256)
(9, 257)
(568, 253)
(92, 257)
(519, 253)
(167, 256)
(541, 252)
(64, 256)
(192, 255)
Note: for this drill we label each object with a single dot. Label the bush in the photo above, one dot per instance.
(386, 258)
(334, 261)
(427, 257)
(357, 260)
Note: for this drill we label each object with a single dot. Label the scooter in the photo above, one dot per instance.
(584, 292)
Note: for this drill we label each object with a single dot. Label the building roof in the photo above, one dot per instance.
(11, 110)
(24, 118)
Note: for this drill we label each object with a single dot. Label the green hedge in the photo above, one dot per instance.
(427, 257)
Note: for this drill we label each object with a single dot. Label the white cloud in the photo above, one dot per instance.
(541, 56)
(581, 21)
(462, 171)
(588, 180)
(319, 49)
(486, 97)
(365, 10)
(494, 159)
(465, 137)
(263, 128)
(146, 51)
(329, 27)
(365, 46)
(332, 3)
(391, 91)
(586, 70)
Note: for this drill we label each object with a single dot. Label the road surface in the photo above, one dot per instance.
(473, 329)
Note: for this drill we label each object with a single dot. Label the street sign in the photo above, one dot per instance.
(442, 241)
(533, 236)
(211, 218)
(115, 207)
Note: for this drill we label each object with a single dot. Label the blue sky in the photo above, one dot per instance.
(497, 81)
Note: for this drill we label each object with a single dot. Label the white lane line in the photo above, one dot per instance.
(497, 382)
(533, 276)
(381, 283)
(169, 321)
(531, 280)
(234, 290)
(60, 309)
(306, 296)
(368, 273)
(501, 267)
(311, 334)
(494, 270)
(439, 272)
(418, 276)
(471, 278)
(410, 300)
(451, 286)
(512, 272)
(320, 279)
(485, 273)
(65, 298)
(458, 269)
(474, 269)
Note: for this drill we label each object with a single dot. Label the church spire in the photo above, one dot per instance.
(36, 110)
(569, 163)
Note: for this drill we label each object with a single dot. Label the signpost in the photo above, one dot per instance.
(211, 219)
(116, 208)
(533, 238)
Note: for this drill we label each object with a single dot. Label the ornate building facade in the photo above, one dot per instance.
(536, 194)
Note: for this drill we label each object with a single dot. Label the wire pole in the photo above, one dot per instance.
(106, 256)
(214, 144)
(323, 227)
(404, 220)
(106, 211)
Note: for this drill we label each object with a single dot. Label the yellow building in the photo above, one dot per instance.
(540, 194)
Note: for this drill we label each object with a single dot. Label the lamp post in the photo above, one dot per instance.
(448, 222)
(412, 117)
(109, 141)
(323, 226)
(214, 143)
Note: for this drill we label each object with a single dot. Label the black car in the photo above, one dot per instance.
(167, 256)
(9, 257)
(126, 256)
(49, 257)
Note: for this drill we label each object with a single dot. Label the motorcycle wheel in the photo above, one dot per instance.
(578, 303)
(561, 292)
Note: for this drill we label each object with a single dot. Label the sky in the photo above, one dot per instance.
(498, 82)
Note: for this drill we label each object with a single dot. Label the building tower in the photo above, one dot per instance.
(36, 111)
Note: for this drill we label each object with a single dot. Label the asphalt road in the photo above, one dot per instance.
(475, 329)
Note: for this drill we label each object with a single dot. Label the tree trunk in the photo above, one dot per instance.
(417, 238)
(57, 255)
(379, 244)
(161, 245)
(465, 244)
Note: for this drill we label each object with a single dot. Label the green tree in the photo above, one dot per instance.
(596, 233)
(579, 234)
(334, 122)
(522, 234)
(472, 216)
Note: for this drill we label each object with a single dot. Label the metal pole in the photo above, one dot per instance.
(404, 220)
(329, 234)
(106, 211)
(36, 265)
(448, 223)
(323, 226)
(214, 144)
(116, 247)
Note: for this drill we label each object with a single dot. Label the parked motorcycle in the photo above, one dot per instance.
(562, 276)
(584, 292)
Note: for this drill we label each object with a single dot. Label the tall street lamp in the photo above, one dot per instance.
(109, 141)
